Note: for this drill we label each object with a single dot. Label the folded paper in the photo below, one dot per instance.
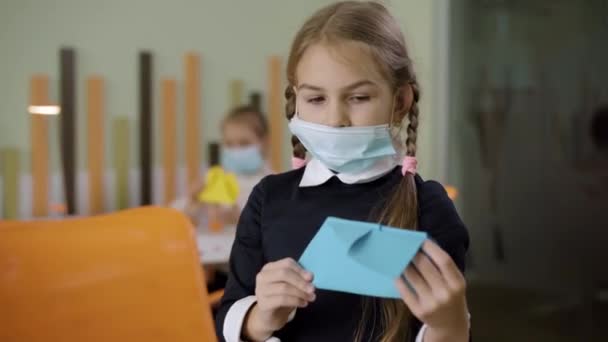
(360, 257)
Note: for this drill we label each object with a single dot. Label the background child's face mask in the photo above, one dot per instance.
(242, 160)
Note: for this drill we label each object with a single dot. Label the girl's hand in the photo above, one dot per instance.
(440, 297)
(281, 287)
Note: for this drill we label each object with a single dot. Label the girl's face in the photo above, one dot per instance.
(239, 134)
(341, 87)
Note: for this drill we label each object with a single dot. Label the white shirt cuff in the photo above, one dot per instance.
(233, 322)
(420, 336)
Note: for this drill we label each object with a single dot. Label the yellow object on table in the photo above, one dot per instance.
(220, 188)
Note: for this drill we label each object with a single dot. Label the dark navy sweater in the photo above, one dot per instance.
(281, 218)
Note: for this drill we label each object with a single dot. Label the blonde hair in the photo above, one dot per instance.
(371, 24)
(250, 116)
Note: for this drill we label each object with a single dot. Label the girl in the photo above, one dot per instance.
(351, 87)
(243, 152)
(244, 145)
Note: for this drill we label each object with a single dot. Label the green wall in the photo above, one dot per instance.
(233, 37)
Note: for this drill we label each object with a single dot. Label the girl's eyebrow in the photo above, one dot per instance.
(309, 87)
(359, 84)
(348, 87)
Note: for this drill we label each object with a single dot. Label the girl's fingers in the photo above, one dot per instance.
(286, 271)
(423, 291)
(431, 274)
(407, 295)
(284, 301)
(292, 264)
(445, 264)
(285, 289)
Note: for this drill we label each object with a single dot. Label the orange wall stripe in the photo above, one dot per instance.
(39, 135)
(169, 138)
(275, 113)
(193, 116)
(95, 144)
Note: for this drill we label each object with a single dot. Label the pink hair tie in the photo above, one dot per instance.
(297, 163)
(409, 165)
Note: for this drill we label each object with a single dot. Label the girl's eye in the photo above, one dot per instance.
(359, 98)
(316, 100)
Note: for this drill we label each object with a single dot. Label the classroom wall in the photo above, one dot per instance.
(234, 38)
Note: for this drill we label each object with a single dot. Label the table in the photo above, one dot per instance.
(214, 247)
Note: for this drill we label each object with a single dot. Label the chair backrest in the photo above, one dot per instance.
(129, 276)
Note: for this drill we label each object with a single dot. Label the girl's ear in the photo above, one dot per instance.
(403, 102)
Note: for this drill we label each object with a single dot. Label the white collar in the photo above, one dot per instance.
(316, 173)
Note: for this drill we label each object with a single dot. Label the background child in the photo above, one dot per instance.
(244, 144)
(244, 150)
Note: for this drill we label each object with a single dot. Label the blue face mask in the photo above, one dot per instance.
(348, 149)
(242, 160)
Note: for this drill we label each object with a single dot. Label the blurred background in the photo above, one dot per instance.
(106, 105)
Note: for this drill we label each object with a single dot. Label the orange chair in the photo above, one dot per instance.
(130, 276)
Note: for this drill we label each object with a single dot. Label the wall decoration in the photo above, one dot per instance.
(146, 125)
(236, 93)
(10, 165)
(95, 143)
(275, 112)
(39, 137)
(169, 137)
(255, 100)
(122, 155)
(67, 91)
(98, 187)
(192, 66)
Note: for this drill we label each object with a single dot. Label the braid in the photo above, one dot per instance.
(412, 128)
(299, 151)
(394, 213)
